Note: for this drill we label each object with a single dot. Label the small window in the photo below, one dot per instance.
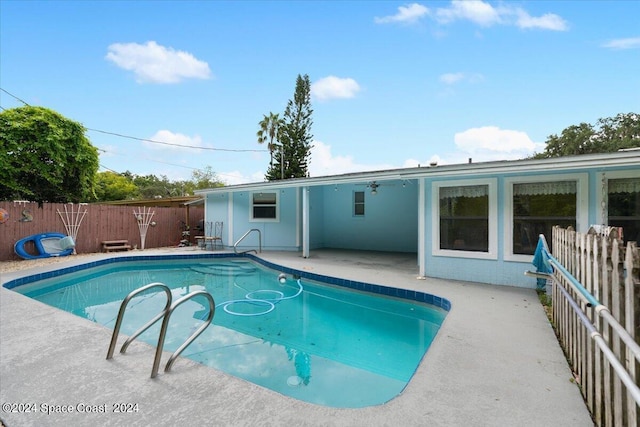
(264, 206)
(464, 218)
(358, 203)
(623, 207)
(537, 207)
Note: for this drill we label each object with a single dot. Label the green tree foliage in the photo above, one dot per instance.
(270, 128)
(292, 161)
(45, 157)
(202, 179)
(127, 186)
(606, 136)
(112, 186)
(151, 186)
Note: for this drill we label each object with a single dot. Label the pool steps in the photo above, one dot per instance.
(165, 314)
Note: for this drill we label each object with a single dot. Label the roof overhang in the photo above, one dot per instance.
(463, 170)
(195, 202)
(158, 202)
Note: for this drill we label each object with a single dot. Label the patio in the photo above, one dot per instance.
(494, 362)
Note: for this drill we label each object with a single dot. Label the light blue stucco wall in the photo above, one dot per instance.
(500, 271)
(216, 209)
(467, 269)
(390, 221)
(316, 215)
(276, 235)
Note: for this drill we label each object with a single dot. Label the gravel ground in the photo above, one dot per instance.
(6, 266)
(17, 265)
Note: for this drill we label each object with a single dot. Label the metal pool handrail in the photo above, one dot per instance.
(589, 300)
(600, 309)
(235, 245)
(165, 323)
(123, 306)
(166, 314)
(596, 336)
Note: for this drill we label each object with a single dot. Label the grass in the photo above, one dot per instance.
(545, 300)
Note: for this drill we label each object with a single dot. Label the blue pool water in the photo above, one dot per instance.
(319, 343)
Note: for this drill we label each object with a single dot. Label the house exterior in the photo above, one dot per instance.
(474, 222)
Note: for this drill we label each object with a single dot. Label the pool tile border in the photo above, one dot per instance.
(408, 294)
(424, 297)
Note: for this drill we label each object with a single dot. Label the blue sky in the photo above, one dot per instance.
(394, 84)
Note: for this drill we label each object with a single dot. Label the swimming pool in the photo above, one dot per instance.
(326, 343)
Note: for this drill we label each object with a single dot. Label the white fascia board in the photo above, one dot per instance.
(305, 182)
(571, 163)
(574, 163)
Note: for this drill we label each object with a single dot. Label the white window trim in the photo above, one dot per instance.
(582, 207)
(492, 184)
(602, 183)
(276, 219)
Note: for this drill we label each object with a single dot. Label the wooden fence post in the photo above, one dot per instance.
(632, 308)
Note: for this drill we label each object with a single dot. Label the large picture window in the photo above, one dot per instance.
(264, 206)
(537, 207)
(464, 218)
(534, 204)
(623, 207)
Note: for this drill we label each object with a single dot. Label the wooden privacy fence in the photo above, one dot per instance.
(100, 223)
(596, 313)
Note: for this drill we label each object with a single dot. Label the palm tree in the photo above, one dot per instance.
(269, 131)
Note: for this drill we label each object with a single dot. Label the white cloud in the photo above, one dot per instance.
(620, 44)
(413, 163)
(334, 87)
(167, 140)
(548, 21)
(324, 163)
(236, 177)
(453, 78)
(406, 14)
(489, 143)
(153, 63)
(485, 15)
(475, 11)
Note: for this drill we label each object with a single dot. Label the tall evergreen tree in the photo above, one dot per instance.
(292, 161)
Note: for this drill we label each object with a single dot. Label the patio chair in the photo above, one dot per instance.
(213, 235)
(201, 230)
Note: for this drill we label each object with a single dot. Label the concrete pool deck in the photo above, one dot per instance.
(494, 362)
